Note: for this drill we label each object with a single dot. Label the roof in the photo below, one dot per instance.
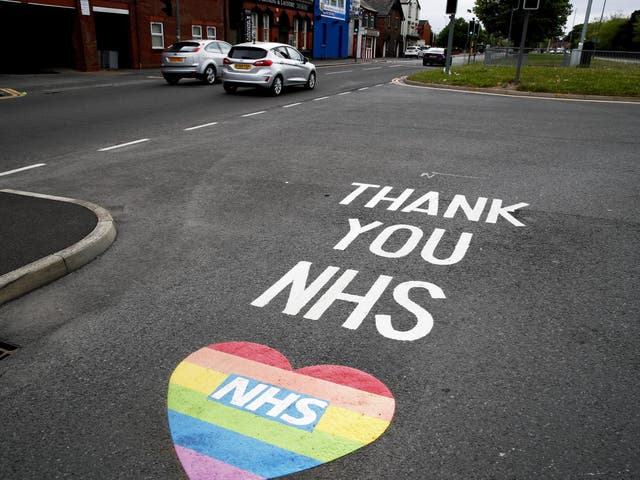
(366, 6)
(384, 7)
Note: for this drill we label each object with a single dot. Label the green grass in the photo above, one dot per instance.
(607, 79)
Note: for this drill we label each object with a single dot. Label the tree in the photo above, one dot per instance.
(546, 22)
(460, 34)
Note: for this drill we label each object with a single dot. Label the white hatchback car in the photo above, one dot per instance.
(266, 65)
(194, 58)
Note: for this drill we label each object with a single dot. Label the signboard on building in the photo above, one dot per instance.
(84, 7)
(302, 5)
(333, 9)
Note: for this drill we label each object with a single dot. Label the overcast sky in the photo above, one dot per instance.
(433, 10)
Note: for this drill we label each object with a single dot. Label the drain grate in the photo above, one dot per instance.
(6, 349)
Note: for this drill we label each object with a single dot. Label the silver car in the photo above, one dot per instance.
(194, 59)
(266, 65)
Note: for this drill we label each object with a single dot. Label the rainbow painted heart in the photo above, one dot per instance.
(237, 410)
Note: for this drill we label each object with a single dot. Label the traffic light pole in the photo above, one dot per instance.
(522, 42)
(447, 60)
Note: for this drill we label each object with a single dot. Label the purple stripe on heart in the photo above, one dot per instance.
(207, 468)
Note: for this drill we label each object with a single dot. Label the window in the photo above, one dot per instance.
(157, 35)
(196, 32)
(265, 28)
(213, 47)
(296, 31)
(295, 55)
(254, 27)
(304, 35)
(211, 33)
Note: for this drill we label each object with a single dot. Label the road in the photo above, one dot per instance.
(492, 287)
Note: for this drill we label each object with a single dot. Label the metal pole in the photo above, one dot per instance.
(583, 35)
(178, 19)
(447, 60)
(522, 41)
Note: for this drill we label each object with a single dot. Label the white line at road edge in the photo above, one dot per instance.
(363, 88)
(254, 113)
(123, 145)
(320, 98)
(344, 93)
(200, 126)
(36, 165)
(292, 105)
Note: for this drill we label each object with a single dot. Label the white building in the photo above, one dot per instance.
(409, 29)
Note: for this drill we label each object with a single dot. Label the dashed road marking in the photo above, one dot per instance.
(9, 172)
(320, 98)
(341, 71)
(292, 105)
(123, 145)
(254, 113)
(200, 126)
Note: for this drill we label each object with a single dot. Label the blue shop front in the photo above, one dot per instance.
(331, 29)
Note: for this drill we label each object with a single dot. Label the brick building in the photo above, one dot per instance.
(93, 34)
(389, 20)
(285, 21)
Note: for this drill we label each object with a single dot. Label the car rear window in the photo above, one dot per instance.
(183, 47)
(247, 53)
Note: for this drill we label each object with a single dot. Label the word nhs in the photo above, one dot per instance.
(270, 402)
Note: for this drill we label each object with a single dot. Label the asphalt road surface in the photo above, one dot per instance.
(492, 287)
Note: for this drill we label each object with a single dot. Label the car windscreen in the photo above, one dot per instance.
(183, 47)
(247, 53)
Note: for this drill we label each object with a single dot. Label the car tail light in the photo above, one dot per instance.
(226, 61)
(263, 63)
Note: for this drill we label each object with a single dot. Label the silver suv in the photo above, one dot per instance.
(268, 65)
(194, 59)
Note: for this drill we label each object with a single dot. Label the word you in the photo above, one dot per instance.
(303, 291)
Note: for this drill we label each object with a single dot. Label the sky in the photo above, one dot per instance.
(433, 10)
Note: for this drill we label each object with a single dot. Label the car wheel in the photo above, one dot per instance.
(311, 83)
(231, 89)
(209, 75)
(171, 79)
(276, 86)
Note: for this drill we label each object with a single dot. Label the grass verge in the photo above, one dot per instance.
(608, 81)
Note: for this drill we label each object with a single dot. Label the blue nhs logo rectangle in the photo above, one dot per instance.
(268, 401)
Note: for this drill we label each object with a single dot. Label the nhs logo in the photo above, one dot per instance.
(270, 402)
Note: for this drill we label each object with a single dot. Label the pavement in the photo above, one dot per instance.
(45, 237)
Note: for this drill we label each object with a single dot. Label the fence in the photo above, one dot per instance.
(562, 58)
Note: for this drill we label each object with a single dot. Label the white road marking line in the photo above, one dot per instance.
(341, 71)
(292, 105)
(254, 113)
(9, 172)
(379, 85)
(363, 88)
(123, 145)
(344, 93)
(395, 66)
(372, 68)
(200, 126)
(320, 98)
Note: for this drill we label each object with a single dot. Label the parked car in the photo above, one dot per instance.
(194, 59)
(434, 56)
(411, 51)
(266, 65)
(422, 49)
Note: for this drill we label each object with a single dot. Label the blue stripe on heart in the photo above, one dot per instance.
(235, 449)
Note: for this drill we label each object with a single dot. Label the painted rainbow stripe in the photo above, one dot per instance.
(217, 440)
